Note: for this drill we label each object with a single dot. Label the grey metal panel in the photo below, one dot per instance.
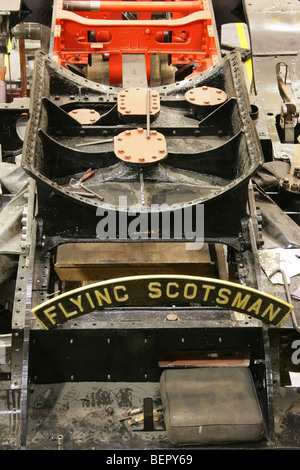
(134, 70)
(10, 5)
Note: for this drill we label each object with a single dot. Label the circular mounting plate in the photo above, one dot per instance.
(85, 116)
(133, 146)
(206, 96)
(133, 102)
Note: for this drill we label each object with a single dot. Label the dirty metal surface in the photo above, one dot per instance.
(291, 181)
(92, 416)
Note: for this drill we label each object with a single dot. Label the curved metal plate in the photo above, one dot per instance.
(161, 290)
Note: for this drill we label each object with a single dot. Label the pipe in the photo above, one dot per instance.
(289, 298)
(30, 31)
(140, 6)
(148, 113)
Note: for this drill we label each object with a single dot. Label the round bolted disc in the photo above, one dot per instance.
(85, 116)
(206, 96)
(133, 102)
(133, 146)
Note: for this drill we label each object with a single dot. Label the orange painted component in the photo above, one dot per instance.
(187, 37)
(141, 5)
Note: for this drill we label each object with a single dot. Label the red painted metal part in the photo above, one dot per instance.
(156, 6)
(187, 37)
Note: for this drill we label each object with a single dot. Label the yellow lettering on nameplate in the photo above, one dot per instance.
(161, 290)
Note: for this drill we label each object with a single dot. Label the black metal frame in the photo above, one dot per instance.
(51, 158)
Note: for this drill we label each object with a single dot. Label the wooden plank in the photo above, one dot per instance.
(198, 359)
(95, 261)
(221, 261)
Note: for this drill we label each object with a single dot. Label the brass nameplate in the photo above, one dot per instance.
(158, 291)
